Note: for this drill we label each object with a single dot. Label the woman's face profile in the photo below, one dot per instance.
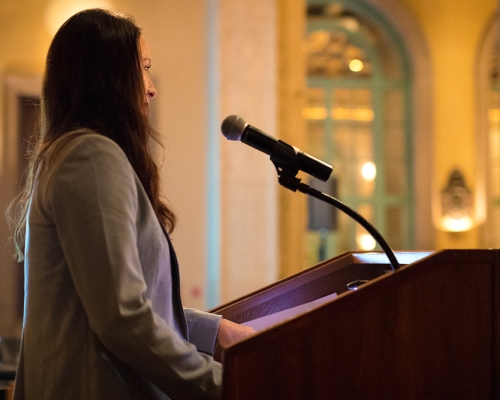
(146, 64)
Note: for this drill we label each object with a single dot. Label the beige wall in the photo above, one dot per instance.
(22, 51)
(249, 220)
(177, 32)
(454, 33)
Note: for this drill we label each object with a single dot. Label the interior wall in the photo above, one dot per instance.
(483, 79)
(20, 28)
(453, 31)
(249, 220)
(245, 83)
(291, 92)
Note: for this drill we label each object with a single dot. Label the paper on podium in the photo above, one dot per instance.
(262, 323)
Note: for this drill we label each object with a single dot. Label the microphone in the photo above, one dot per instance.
(291, 159)
(235, 128)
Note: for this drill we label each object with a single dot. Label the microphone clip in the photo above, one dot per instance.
(284, 158)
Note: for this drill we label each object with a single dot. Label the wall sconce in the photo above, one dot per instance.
(457, 208)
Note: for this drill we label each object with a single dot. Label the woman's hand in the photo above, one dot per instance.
(230, 333)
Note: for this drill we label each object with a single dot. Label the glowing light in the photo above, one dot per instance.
(314, 113)
(356, 65)
(339, 113)
(58, 11)
(353, 114)
(317, 40)
(365, 241)
(369, 171)
(457, 224)
(351, 24)
(362, 114)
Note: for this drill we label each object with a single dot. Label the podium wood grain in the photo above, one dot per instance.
(430, 330)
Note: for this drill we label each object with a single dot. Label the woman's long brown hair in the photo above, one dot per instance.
(93, 79)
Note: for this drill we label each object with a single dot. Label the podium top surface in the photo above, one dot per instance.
(403, 257)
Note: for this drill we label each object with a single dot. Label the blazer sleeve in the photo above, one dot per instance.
(92, 198)
(202, 329)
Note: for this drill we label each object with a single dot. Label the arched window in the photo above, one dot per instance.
(358, 119)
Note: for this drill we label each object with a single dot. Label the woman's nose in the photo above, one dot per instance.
(151, 92)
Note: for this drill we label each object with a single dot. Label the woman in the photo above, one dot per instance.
(103, 315)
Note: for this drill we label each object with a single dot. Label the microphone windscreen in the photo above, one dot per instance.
(233, 127)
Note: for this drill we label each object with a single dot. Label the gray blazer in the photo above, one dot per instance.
(103, 315)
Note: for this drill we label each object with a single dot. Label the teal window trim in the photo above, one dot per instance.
(212, 282)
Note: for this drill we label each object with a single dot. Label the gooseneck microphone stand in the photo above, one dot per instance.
(285, 160)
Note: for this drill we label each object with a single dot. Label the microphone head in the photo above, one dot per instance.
(233, 127)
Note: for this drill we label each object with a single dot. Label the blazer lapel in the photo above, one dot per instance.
(176, 290)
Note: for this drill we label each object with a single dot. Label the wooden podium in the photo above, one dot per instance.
(430, 330)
